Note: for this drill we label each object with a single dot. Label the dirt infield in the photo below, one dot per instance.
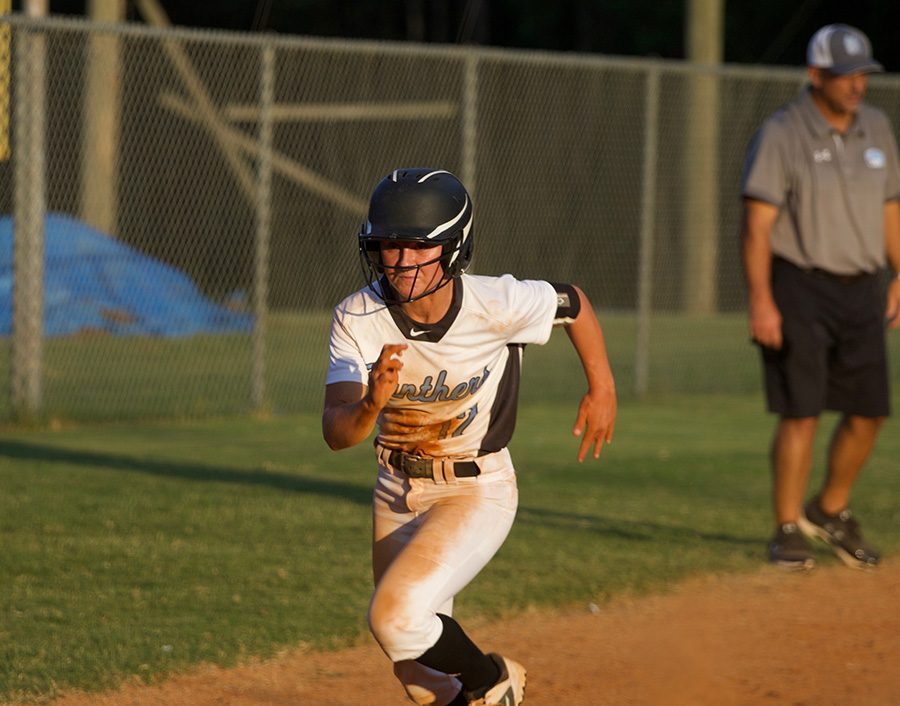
(831, 636)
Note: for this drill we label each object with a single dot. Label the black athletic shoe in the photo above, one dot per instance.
(841, 532)
(789, 550)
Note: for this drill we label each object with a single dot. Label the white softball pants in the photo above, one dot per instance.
(430, 539)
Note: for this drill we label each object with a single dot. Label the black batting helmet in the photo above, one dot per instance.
(418, 205)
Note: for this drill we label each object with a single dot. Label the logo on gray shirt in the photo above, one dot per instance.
(874, 158)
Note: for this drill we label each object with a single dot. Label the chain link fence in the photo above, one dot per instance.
(234, 169)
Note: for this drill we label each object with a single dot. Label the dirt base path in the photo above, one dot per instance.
(829, 637)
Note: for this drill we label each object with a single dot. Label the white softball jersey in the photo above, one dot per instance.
(460, 378)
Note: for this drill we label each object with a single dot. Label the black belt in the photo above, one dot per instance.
(423, 467)
(825, 274)
(835, 277)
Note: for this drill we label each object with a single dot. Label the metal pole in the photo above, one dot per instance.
(263, 228)
(648, 225)
(26, 366)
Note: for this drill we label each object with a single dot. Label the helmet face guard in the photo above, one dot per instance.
(427, 206)
(375, 270)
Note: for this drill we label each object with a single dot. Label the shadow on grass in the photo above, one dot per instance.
(361, 495)
(633, 530)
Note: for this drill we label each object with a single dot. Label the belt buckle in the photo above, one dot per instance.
(416, 466)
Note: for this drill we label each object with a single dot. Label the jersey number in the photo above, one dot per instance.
(468, 417)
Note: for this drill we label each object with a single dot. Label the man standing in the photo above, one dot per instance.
(821, 186)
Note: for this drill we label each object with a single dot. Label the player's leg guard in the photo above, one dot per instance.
(455, 653)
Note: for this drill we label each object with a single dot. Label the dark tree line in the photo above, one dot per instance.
(756, 31)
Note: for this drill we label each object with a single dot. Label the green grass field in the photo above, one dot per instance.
(144, 549)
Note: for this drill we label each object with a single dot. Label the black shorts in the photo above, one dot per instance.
(833, 356)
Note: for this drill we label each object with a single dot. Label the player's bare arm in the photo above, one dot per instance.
(765, 319)
(892, 248)
(351, 409)
(597, 411)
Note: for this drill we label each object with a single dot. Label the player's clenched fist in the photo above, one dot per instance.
(385, 373)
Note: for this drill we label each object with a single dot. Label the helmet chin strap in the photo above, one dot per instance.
(391, 296)
(395, 299)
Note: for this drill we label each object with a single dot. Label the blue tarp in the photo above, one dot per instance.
(93, 282)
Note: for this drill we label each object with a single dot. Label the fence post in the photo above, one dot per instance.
(26, 368)
(648, 226)
(470, 121)
(101, 132)
(263, 228)
(5, 62)
(701, 195)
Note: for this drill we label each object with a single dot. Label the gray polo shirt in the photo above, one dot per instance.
(830, 188)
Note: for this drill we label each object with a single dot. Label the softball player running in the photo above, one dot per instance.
(432, 356)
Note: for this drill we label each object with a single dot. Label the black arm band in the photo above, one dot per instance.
(568, 303)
